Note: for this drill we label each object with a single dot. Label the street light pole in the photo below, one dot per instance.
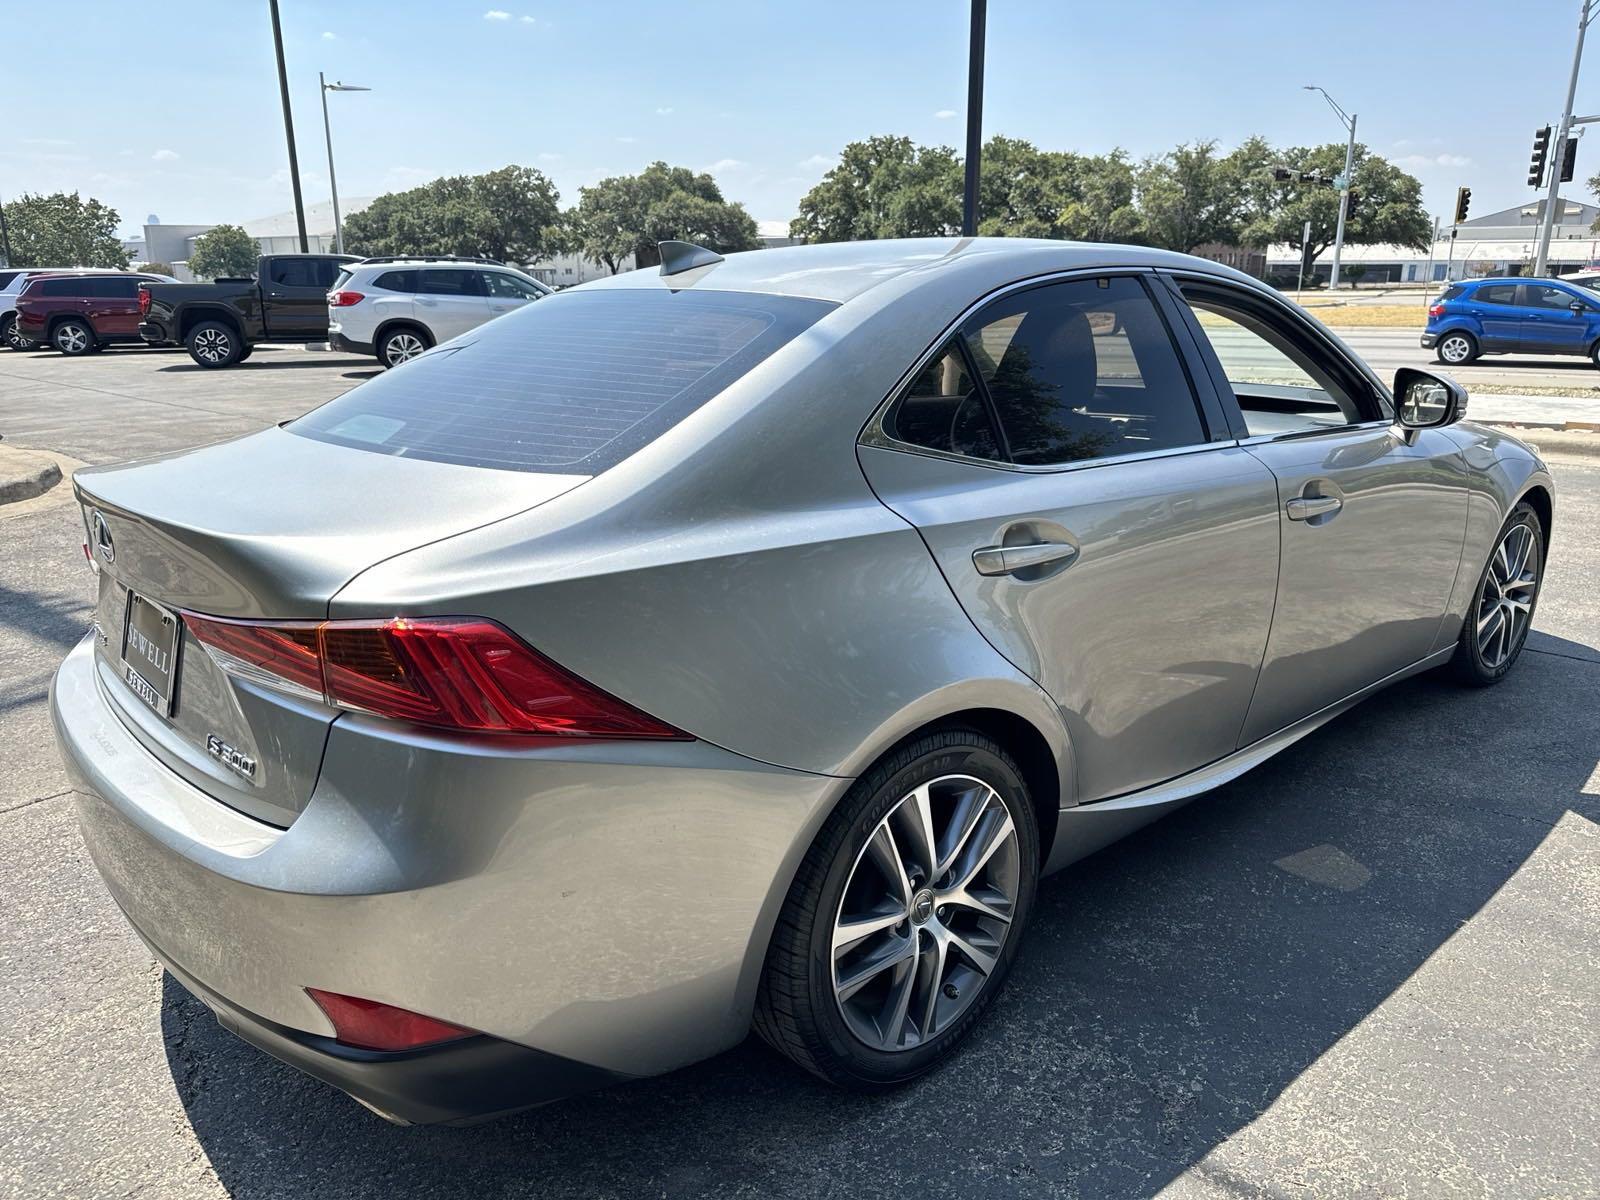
(969, 201)
(288, 127)
(327, 134)
(1542, 260)
(5, 238)
(1348, 120)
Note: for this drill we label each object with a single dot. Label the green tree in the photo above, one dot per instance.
(1390, 211)
(884, 187)
(629, 214)
(512, 215)
(225, 251)
(155, 268)
(63, 230)
(1188, 197)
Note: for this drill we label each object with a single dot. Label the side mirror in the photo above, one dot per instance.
(1576, 306)
(1423, 400)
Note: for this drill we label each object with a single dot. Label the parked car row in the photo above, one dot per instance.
(393, 308)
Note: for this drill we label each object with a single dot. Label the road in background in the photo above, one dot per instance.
(1367, 967)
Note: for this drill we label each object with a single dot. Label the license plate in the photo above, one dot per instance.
(150, 642)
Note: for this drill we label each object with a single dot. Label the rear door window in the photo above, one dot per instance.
(397, 281)
(1498, 293)
(444, 282)
(571, 385)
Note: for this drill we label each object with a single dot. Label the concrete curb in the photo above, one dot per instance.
(1580, 438)
(25, 474)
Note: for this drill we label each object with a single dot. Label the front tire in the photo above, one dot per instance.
(74, 338)
(1456, 349)
(905, 915)
(1501, 614)
(214, 344)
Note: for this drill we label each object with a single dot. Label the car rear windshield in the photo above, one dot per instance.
(571, 385)
(1453, 292)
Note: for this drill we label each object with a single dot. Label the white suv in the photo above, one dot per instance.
(396, 308)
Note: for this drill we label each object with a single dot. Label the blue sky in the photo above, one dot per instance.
(172, 108)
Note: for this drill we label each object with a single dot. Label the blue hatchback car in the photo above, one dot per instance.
(1513, 316)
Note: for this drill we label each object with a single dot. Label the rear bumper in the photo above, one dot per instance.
(154, 333)
(603, 908)
(1428, 340)
(454, 1083)
(338, 341)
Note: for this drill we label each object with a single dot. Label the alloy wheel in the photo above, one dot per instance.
(72, 339)
(212, 345)
(926, 913)
(1455, 349)
(1505, 606)
(402, 347)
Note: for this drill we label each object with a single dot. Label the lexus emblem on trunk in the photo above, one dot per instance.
(101, 532)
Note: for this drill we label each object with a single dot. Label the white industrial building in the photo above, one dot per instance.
(1499, 243)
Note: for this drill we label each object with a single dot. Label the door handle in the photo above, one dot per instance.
(1008, 560)
(426, 303)
(1303, 508)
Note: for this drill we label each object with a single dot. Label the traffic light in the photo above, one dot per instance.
(1350, 205)
(1569, 159)
(1282, 174)
(1463, 202)
(1541, 156)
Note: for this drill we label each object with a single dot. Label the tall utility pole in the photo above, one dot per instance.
(5, 237)
(288, 128)
(1541, 260)
(969, 200)
(1348, 120)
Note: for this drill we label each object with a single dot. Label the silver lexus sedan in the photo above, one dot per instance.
(737, 644)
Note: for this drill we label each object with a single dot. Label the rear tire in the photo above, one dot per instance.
(401, 344)
(1502, 608)
(214, 344)
(74, 337)
(839, 1013)
(10, 338)
(1594, 354)
(1456, 348)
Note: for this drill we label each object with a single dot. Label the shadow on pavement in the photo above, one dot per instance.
(1170, 988)
(279, 365)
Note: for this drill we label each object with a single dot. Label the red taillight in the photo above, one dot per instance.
(454, 672)
(144, 302)
(1436, 310)
(344, 299)
(374, 1026)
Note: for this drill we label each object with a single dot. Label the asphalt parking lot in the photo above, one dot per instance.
(1369, 967)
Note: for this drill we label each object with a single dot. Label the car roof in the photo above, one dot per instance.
(841, 271)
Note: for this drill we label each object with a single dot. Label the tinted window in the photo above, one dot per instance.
(943, 409)
(398, 281)
(59, 287)
(1541, 296)
(509, 287)
(1454, 292)
(449, 283)
(113, 289)
(6, 277)
(1499, 293)
(575, 385)
(305, 272)
(1081, 370)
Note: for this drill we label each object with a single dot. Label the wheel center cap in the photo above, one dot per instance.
(921, 907)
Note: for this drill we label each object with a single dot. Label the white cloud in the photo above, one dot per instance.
(164, 156)
(663, 112)
(497, 14)
(817, 160)
(526, 20)
(944, 114)
(330, 37)
(725, 164)
(1414, 161)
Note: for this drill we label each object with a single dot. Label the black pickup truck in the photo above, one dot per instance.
(221, 322)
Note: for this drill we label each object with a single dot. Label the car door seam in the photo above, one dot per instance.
(1277, 591)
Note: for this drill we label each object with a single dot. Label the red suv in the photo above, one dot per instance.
(80, 313)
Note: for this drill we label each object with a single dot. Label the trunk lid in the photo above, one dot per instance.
(266, 527)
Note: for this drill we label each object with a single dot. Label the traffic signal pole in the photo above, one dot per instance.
(1541, 260)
